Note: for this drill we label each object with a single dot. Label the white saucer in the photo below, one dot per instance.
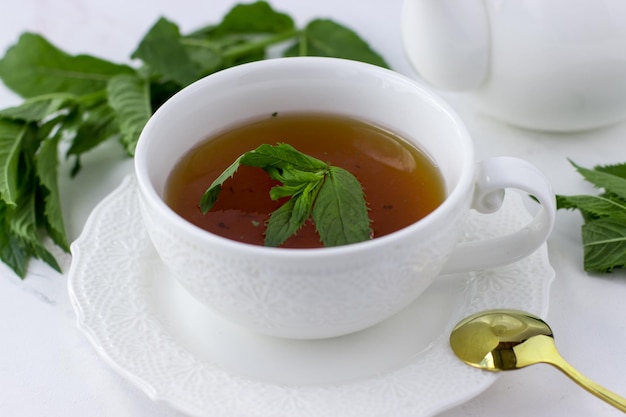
(154, 333)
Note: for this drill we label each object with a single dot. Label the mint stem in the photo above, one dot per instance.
(241, 50)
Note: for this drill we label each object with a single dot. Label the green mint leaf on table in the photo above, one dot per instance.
(34, 67)
(46, 170)
(73, 103)
(593, 206)
(24, 226)
(20, 194)
(604, 244)
(89, 124)
(12, 252)
(331, 195)
(323, 37)
(12, 135)
(604, 228)
(162, 52)
(615, 169)
(129, 97)
(242, 36)
(256, 17)
(610, 182)
(38, 108)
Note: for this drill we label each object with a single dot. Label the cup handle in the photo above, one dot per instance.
(492, 177)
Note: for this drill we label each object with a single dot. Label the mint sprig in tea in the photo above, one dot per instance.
(304, 181)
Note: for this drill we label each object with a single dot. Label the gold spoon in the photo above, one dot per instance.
(501, 340)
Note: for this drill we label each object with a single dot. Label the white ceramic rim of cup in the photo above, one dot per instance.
(459, 192)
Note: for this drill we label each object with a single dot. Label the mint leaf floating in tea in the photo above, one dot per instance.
(332, 195)
(339, 202)
(604, 228)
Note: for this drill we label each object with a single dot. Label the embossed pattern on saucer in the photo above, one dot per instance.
(113, 285)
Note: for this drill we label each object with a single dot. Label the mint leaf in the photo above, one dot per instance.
(129, 97)
(282, 191)
(162, 51)
(12, 252)
(93, 123)
(282, 155)
(254, 18)
(282, 224)
(609, 182)
(206, 56)
(604, 244)
(323, 37)
(210, 195)
(604, 228)
(34, 67)
(615, 169)
(306, 199)
(46, 165)
(38, 108)
(291, 175)
(291, 216)
(23, 226)
(303, 188)
(340, 212)
(12, 135)
(598, 206)
(242, 36)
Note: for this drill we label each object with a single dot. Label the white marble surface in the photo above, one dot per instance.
(48, 368)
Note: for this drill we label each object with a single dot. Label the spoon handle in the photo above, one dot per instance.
(552, 357)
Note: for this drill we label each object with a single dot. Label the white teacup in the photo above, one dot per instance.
(317, 293)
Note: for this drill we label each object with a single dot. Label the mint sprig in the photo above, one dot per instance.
(73, 103)
(331, 195)
(604, 215)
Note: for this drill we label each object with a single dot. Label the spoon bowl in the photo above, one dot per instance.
(502, 340)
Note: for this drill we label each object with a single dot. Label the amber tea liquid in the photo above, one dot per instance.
(401, 184)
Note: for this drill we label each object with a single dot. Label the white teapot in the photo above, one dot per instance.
(556, 65)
